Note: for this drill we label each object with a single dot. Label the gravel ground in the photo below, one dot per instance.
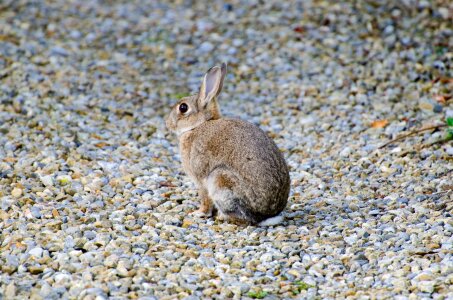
(95, 205)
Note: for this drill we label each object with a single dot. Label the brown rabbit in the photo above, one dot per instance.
(238, 169)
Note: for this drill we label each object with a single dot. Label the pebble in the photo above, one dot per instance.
(59, 51)
(10, 291)
(426, 286)
(35, 212)
(36, 269)
(16, 192)
(36, 252)
(345, 152)
(47, 180)
(437, 108)
(449, 150)
(206, 47)
(62, 278)
(267, 257)
(64, 179)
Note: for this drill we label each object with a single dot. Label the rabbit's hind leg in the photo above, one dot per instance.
(223, 188)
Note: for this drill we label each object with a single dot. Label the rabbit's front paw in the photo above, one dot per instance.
(203, 212)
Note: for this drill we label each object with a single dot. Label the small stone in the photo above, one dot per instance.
(64, 179)
(47, 180)
(399, 284)
(55, 213)
(36, 269)
(445, 12)
(307, 121)
(294, 273)
(388, 170)
(205, 26)
(426, 286)
(75, 34)
(351, 239)
(433, 246)
(228, 7)
(122, 271)
(62, 278)
(35, 212)
(206, 47)
(449, 150)
(89, 234)
(36, 252)
(437, 108)
(186, 223)
(16, 192)
(111, 261)
(346, 152)
(21, 269)
(267, 257)
(226, 292)
(423, 276)
(59, 51)
(426, 106)
(9, 269)
(10, 291)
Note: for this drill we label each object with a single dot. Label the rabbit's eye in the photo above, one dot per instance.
(183, 108)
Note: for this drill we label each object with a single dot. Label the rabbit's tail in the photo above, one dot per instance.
(272, 221)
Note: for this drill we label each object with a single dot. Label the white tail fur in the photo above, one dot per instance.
(272, 221)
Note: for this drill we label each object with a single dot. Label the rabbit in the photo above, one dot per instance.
(238, 169)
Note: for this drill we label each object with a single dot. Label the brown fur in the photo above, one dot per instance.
(224, 182)
(235, 165)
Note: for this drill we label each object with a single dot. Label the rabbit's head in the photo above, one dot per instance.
(192, 111)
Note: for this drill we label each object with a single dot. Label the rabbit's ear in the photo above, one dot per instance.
(212, 84)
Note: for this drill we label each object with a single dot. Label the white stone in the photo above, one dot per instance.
(206, 47)
(62, 277)
(426, 286)
(36, 252)
(47, 180)
(345, 152)
(266, 257)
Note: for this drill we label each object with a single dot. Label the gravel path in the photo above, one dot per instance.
(94, 203)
